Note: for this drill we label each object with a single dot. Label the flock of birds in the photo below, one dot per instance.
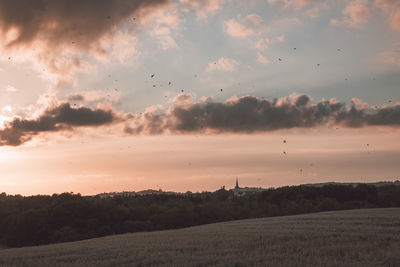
(153, 76)
(311, 164)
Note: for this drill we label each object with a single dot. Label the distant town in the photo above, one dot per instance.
(237, 190)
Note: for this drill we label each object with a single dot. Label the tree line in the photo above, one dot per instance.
(42, 219)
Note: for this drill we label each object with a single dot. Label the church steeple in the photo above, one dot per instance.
(237, 184)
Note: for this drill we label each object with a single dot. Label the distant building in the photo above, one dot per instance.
(242, 191)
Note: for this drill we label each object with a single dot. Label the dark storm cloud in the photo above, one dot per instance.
(384, 116)
(61, 117)
(59, 22)
(251, 114)
(248, 114)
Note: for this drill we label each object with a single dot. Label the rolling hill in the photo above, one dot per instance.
(366, 237)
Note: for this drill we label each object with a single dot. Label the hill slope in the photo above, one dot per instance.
(341, 238)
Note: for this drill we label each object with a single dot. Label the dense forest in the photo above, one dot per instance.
(38, 220)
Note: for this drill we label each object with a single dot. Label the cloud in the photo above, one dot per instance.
(391, 56)
(7, 109)
(236, 29)
(243, 27)
(358, 116)
(59, 30)
(395, 20)
(356, 13)
(223, 64)
(262, 59)
(314, 6)
(183, 99)
(203, 8)
(76, 97)
(262, 44)
(247, 114)
(256, 20)
(63, 22)
(96, 96)
(296, 4)
(391, 10)
(58, 118)
(386, 3)
(164, 22)
(250, 114)
(10, 88)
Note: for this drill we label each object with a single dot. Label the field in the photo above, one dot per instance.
(369, 237)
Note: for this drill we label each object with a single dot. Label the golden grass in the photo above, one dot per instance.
(368, 237)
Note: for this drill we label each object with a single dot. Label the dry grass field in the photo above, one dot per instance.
(369, 237)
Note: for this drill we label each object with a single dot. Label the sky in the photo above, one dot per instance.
(186, 95)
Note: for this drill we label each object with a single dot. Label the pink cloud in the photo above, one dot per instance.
(395, 20)
(391, 10)
(163, 23)
(243, 27)
(392, 56)
(237, 29)
(387, 3)
(256, 20)
(223, 64)
(262, 59)
(315, 11)
(312, 7)
(203, 8)
(263, 43)
(356, 13)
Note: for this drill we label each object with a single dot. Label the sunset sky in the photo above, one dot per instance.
(113, 95)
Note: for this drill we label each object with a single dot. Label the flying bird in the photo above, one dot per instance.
(279, 59)
(152, 76)
(318, 64)
(284, 141)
